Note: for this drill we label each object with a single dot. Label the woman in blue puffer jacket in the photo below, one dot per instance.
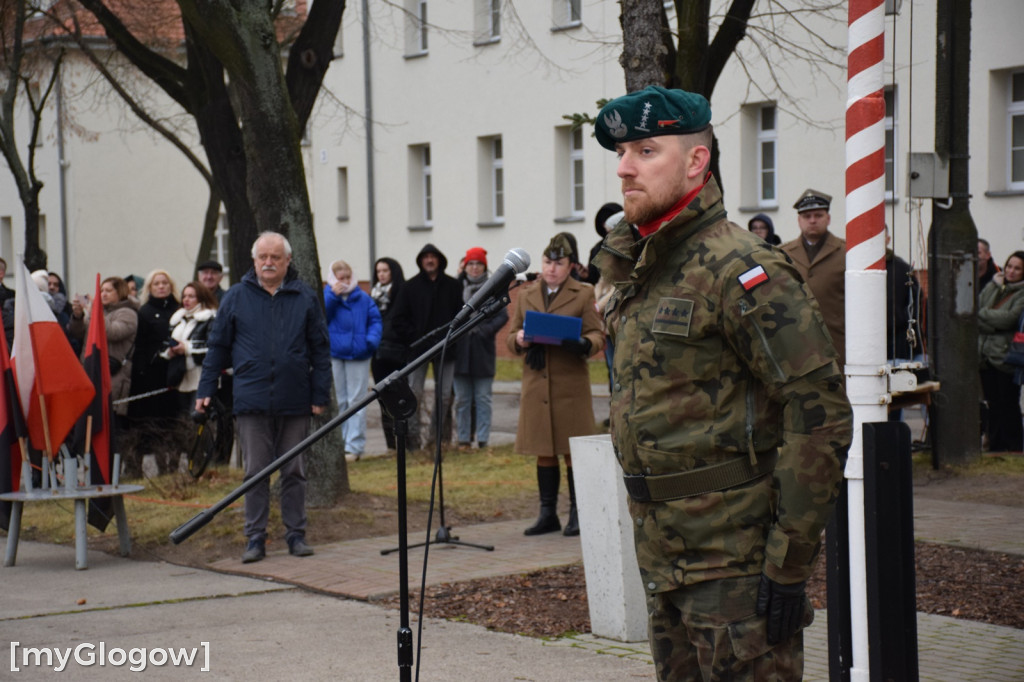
(354, 325)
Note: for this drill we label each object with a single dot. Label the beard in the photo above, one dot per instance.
(645, 209)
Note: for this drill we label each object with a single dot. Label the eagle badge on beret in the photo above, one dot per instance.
(615, 125)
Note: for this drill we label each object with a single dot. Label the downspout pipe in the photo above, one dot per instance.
(371, 184)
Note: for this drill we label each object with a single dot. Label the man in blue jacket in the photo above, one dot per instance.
(271, 330)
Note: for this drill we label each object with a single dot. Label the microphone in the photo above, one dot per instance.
(516, 261)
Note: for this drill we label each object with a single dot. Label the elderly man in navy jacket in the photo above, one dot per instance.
(271, 330)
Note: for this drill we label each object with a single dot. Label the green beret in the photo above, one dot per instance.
(649, 112)
(559, 247)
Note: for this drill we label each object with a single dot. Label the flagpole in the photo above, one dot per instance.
(26, 464)
(48, 452)
(88, 436)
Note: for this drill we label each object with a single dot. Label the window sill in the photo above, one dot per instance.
(492, 40)
(566, 27)
(758, 209)
(569, 219)
(415, 55)
(493, 223)
(343, 219)
(999, 193)
(420, 228)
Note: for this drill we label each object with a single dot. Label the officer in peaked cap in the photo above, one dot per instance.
(719, 352)
(820, 256)
(813, 200)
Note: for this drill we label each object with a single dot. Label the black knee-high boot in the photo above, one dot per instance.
(547, 483)
(572, 526)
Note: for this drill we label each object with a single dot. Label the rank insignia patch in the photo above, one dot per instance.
(752, 277)
(673, 316)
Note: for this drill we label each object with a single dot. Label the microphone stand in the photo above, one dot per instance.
(394, 393)
(444, 532)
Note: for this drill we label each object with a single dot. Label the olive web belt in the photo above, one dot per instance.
(708, 479)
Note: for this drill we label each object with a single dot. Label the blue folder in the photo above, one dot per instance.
(549, 328)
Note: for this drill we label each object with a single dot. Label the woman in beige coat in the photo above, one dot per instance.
(555, 404)
(121, 322)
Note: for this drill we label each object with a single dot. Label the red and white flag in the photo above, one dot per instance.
(45, 365)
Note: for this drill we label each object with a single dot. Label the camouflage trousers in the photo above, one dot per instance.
(709, 632)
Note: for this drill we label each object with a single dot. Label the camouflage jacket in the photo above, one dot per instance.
(720, 353)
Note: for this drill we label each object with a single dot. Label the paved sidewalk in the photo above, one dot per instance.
(949, 649)
(259, 627)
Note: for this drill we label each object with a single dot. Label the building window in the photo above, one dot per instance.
(220, 250)
(421, 191)
(565, 13)
(7, 242)
(498, 179)
(569, 178)
(890, 144)
(488, 21)
(342, 194)
(415, 27)
(1015, 122)
(767, 157)
(339, 42)
(576, 165)
(491, 181)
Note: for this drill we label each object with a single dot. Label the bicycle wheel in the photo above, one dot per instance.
(204, 447)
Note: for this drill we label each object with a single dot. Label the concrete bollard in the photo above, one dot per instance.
(615, 594)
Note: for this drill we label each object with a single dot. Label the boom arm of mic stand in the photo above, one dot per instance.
(187, 529)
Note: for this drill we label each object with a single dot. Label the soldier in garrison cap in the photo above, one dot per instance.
(728, 412)
(556, 381)
(820, 256)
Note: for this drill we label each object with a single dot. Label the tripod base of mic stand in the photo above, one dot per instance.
(442, 537)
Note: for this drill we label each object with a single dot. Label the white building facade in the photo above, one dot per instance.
(470, 147)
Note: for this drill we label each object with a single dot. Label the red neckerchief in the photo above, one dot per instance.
(647, 229)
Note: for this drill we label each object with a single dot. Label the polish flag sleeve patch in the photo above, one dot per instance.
(752, 277)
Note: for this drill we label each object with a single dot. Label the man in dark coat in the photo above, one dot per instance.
(271, 329)
(210, 273)
(428, 302)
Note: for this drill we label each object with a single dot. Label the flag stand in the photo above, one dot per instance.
(70, 392)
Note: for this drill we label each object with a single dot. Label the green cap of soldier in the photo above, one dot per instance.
(559, 247)
(649, 112)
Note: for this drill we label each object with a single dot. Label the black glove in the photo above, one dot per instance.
(580, 346)
(784, 607)
(535, 357)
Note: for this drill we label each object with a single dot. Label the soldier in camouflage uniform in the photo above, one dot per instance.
(728, 412)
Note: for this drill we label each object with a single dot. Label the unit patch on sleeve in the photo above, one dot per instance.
(752, 277)
(673, 316)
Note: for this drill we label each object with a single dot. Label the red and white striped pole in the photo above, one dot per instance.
(865, 371)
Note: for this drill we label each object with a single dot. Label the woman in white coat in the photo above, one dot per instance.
(190, 325)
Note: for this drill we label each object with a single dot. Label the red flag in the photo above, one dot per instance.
(96, 360)
(10, 414)
(45, 365)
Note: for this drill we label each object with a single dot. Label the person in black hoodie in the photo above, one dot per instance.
(428, 301)
(607, 211)
(763, 227)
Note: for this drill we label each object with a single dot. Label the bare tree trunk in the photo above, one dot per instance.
(23, 170)
(645, 55)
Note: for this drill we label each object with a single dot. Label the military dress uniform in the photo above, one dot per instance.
(730, 422)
